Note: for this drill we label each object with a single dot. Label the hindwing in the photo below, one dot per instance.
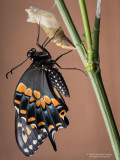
(40, 112)
(56, 79)
(28, 137)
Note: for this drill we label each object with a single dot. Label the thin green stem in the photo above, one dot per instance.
(96, 81)
(96, 31)
(72, 30)
(87, 30)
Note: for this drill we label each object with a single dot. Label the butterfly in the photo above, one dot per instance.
(40, 107)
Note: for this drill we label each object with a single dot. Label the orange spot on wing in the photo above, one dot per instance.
(55, 102)
(23, 111)
(37, 103)
(28, 92)
(21, 88)
(41, 124)
(56, 92)
(42, 103)
(36, 94)
(62, 114)
(50, 127)
(28, 130)
(32, 126)
(17, 102)
(47, 99)
(57, 124)
(31, 119)
(32, 99)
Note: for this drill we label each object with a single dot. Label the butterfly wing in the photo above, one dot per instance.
(56, 79)
(40, 113)
(28, 138)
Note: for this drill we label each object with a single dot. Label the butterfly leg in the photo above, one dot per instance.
(62, 55)
(38, 34)
(51, 38)
(37, 42)
(70, 68)
(45, 43)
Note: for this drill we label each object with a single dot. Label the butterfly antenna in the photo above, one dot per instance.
(11, 71)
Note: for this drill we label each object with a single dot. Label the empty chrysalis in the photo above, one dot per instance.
(50, 24)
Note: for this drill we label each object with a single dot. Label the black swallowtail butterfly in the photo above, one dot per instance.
(40, 107)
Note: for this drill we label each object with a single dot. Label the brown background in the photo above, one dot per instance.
(86, 133)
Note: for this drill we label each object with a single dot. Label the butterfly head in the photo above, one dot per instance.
(39, 58)
(31, 53)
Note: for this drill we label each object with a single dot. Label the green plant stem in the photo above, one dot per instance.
(87, 30)
(96, 81)
(72, 30)
(96, 31)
